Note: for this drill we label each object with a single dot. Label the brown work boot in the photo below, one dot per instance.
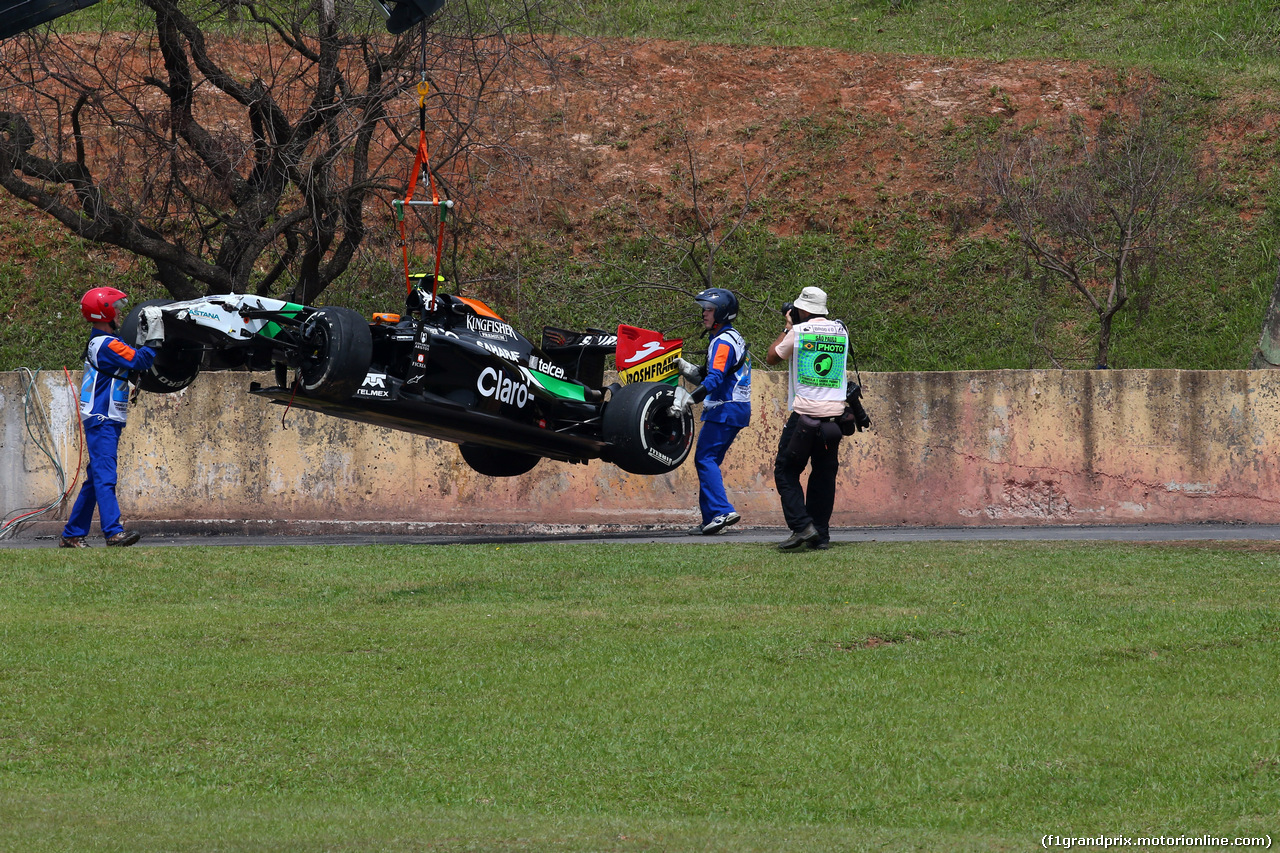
(73, 542)
(123, 539)
(800, 537)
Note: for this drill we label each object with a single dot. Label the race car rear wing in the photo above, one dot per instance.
(582, 354)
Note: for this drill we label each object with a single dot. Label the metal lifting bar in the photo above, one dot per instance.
(421, 166)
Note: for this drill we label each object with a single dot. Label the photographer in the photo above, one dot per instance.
(817, 349)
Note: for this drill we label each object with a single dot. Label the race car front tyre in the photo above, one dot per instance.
(644, 437)
(337, 347)
(497, 461)
(177, 362)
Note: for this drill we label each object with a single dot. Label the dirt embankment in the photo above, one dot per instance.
(827, 138)
(830, 138)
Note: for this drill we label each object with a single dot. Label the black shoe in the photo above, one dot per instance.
(819, 545)
(73, 542)
(124, 539)
(809, 534)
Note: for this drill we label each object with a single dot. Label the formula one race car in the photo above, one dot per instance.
(451, 368)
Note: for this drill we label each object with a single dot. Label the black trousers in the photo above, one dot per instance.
(821, 448)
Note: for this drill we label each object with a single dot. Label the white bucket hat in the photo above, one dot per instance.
(813, 300)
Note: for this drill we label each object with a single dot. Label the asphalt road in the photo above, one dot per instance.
(753, 535)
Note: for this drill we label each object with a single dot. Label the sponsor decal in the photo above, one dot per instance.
(374, 385)
(553, 337)
(489, 327)
(201, 312)
(501, 352)
(643, 356)
(548, 367)
(650, 348)
(654, 371)
(663, 458)
(500, 386)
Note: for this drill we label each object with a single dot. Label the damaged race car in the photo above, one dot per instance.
(450, 368)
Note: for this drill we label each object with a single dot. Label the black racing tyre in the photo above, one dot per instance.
(177, 361)
(643, 437)
(497, 461)
(337, 347)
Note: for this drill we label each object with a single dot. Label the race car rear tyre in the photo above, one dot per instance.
(497, 461)
(644, 438)
(177, 361)
(337, 347)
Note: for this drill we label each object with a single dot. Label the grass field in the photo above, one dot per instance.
(1191, 39)
(955, 696)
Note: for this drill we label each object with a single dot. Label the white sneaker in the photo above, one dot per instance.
(719, 523)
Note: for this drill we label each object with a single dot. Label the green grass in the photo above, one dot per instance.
(930, 696)
(1182, 37)
(916, 301)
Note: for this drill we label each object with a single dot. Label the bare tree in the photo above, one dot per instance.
(245, 157)
(687, 223)
(1100, 210)
(713, 219)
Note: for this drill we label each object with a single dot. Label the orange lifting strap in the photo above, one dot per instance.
(421, 163)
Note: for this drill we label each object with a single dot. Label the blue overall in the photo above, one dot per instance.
(725, 411)
(104, 401)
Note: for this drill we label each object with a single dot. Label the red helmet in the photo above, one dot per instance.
(101, 304)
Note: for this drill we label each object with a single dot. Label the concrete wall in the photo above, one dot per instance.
(969, 448)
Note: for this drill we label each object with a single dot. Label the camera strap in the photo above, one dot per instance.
(852, 358)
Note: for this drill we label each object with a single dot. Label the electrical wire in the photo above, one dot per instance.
(14, 520)
(30, 395)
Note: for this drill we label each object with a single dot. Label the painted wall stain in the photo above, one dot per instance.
(963, 448)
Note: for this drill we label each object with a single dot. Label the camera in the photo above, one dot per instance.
(855, 417)
(791, 312)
